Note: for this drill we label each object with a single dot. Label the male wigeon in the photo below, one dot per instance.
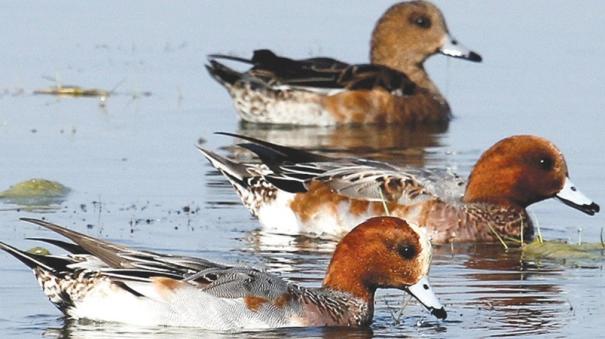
(393, 89)
(102, 281)
(297, 191)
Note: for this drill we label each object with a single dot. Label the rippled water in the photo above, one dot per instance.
(136, 177)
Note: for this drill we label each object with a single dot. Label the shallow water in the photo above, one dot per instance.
(133, 168)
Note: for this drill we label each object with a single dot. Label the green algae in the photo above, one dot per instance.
(38, 251)
(35, 192)
(561, 250)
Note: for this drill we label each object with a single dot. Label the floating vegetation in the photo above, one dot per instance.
(74, 91)
(78, 91)
(562, 250)
(38, 251)
(35, 192)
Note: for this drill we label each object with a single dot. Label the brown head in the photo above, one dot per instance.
(521, 170)
(408, 33)
(383, 252)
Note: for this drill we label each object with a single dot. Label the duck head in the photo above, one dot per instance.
(410, 32)
(384, 252)
(521, 170)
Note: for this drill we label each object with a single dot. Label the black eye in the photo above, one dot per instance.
(407, 251)
(421, 21)
(546, 164)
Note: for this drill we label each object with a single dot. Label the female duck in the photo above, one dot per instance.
(107, 282)
(393, 89)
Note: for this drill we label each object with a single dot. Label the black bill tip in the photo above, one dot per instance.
(594, 208)
(590, 209)
(472, 56)
(439, 313)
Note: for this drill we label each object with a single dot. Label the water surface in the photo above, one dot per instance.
(136, 177)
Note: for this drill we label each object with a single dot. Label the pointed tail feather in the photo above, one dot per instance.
(212, 57)
(236, 173)
(29, 259)
(105, 251)
(222, 73)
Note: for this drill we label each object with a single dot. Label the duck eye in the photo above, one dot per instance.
(421, 21)
(407, 251)
(546, 164)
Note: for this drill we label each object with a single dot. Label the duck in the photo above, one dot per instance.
(294, 191)
(103, 281)
(394, 88)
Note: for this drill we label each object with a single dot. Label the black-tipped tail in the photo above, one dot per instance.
(31, 260)
(236, 173)
(222, 73)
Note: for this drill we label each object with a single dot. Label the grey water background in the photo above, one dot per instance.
(132, 165)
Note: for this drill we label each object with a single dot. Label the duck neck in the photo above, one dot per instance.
(491, 221)
(413, 68)
(494, 187)
(347, 273)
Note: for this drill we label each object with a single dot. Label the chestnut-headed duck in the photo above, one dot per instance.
(102, 281)
(295, 191)
(393, 89)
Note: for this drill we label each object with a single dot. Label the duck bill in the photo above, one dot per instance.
(571, 196)
(423, 292)
(451, 47)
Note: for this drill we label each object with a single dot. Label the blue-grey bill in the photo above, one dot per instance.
(571, 196)
(423, 292)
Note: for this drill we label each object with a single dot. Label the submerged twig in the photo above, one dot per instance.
(521, 235)
(511, 239)
(491, 228)
(384, 203)
(397, 316)
(534, 218)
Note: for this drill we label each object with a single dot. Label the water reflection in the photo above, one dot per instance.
(408, 145)
(95, 330)
(508, 294)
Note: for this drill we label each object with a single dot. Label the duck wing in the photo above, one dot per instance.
(294, 170)
(134, 267)
(378, 181)
(318, 74)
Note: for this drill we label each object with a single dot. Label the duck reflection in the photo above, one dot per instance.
(407, 145)
(97, 330)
